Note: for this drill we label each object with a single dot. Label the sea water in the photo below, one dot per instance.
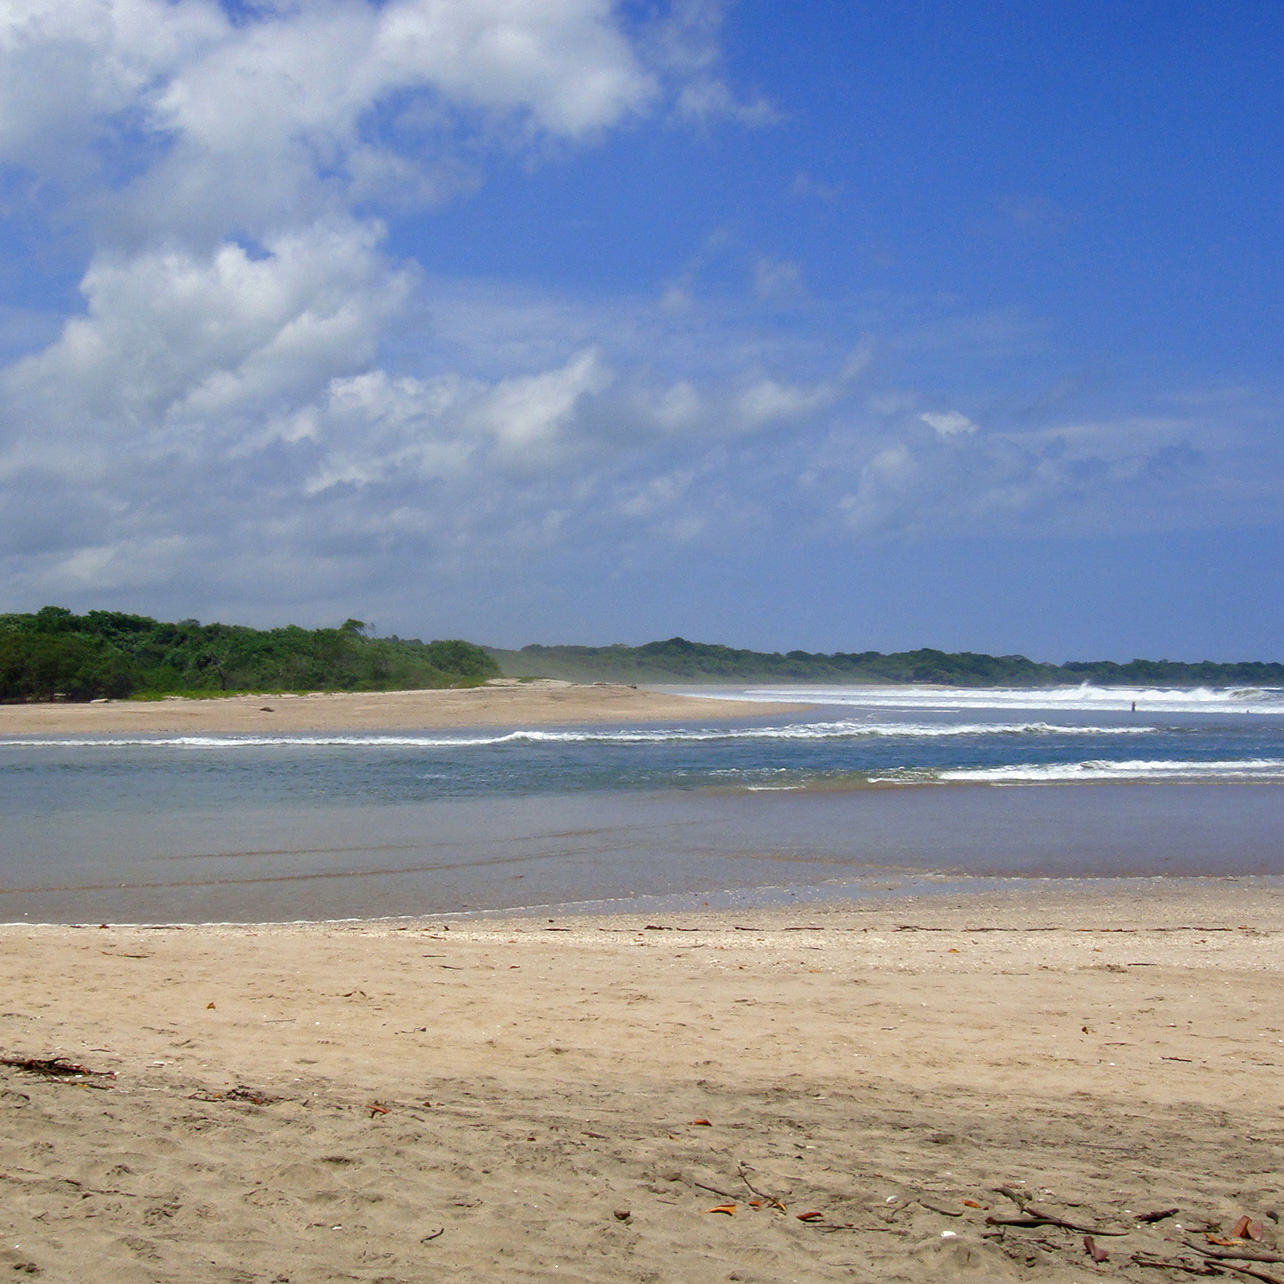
(867, 790)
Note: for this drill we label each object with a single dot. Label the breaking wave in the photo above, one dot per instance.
(841, 730)
(1085, 698)
(1056, 773)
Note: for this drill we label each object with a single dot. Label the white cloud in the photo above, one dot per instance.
(177, 348)
(527, 415)
(686, 46)
(768, 400)
(256, 395)
(712, 99)
(253, 124)
(949, 424)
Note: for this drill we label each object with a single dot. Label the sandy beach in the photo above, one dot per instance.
(492, 705)
(924, 1089)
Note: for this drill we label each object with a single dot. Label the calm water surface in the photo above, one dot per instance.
(869, 789)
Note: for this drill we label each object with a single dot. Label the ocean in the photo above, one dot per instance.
(870, 791)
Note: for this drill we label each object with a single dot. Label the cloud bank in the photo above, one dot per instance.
(236, 407)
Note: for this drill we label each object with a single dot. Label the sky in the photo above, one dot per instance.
(838, 326)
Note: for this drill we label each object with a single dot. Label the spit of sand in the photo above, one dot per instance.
(497, 704)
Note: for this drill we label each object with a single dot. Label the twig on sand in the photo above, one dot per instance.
(1209, 1266)
(1265, 1276)
(713, 1190)
(1018, 1197)
(762, 1194)
(939, 1206)
(1046, 1219)
(1033, 1217)
(1169, 1264)
(1244, 1254)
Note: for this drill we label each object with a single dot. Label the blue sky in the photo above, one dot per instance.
(834, 325)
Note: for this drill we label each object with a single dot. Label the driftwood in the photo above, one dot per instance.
(1031, 1216)
(1046, 1219)
(1244, 1254)
(939, 1206)
(1265, 1276)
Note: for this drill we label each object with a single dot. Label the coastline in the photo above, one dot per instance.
(525, 704)
(519, 1098)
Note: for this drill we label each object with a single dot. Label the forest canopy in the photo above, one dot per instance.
(53, 653)
(677, 660)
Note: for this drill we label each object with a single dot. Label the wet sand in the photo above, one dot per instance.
(493, 705)
(531, 1100)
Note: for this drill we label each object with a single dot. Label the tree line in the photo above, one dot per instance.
(53, 653)
(677, 660)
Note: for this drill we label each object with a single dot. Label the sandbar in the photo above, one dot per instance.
(925, 1089)
(542, 703)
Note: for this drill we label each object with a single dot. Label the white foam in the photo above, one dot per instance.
(1086, 698)
(1052, 773)
(840, 730)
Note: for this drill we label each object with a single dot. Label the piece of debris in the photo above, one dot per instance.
(1246, 1228)
(252, 1095)
(54, 1067)
(1094, 1251)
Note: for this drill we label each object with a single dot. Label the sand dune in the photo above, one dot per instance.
(485, 1101)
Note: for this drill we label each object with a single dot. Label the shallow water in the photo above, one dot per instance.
(855, 795)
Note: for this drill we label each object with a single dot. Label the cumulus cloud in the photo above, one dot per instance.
(257, 397)
(238, 295)
(179, 350)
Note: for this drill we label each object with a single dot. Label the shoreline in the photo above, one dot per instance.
(527, 1099)
(980, 894)
(548, 703)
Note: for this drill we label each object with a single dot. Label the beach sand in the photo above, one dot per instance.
(480, 1100)
(494, 705)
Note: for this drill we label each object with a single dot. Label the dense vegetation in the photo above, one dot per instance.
(54, 653)
(678, 660)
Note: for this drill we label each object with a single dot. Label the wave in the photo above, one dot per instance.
(1085, 698)
(841, 730)
(1055, 773)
